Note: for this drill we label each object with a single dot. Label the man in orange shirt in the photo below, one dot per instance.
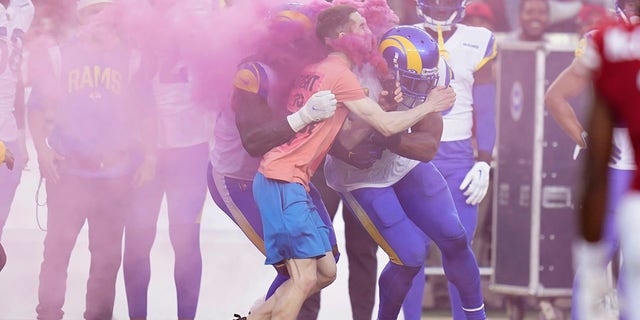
(293, 233)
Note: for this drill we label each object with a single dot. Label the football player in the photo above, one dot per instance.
(402, 197)
(256, 120)
(612, 61)
(591, 258)
(292, 232)
(470, 52)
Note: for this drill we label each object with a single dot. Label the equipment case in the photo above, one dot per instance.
(535, 178)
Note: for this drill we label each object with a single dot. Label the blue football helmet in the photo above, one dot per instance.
(412, 55)
(291, 15)
(444, 13)
(625, 9)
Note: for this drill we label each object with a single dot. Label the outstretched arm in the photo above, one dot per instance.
(392, 122)
(569, 84)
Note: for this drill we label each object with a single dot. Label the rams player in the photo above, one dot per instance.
(402, 196)
(470, 52)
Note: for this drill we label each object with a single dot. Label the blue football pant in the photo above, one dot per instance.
(454, 159)
(399, 218)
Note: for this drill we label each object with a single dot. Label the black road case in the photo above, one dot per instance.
(535, 183)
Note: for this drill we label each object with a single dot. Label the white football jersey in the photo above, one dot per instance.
(181, 122)
(386, 171)
(467, 50)
(12, 30)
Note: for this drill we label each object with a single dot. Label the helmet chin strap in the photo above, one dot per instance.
(443, 52)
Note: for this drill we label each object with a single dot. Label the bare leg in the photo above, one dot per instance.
(308, 276)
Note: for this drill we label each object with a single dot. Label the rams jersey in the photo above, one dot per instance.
(388, 170)
(12, 31)
(228, 156)
(614, 57)
(466, 51)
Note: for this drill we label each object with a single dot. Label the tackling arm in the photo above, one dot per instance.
(259, 132)
(567, 85)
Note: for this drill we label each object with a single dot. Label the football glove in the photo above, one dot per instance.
(476, 183)
(321, 105)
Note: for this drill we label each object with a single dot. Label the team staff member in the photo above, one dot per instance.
(91, 123)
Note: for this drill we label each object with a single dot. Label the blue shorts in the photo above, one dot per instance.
(291, 223)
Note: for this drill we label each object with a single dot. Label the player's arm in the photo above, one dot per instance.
(389, 123)
(259, 131)
(422, 142)
(569, 83)
(476, 182)
(595, 182)
(484, 105)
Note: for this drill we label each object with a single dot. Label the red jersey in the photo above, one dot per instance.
(613, 54)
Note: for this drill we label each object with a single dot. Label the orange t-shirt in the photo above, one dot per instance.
(298, 159)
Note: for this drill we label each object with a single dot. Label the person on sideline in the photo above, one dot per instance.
(92, 124)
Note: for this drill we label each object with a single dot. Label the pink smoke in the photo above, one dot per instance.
(380, 18)
(214, 41)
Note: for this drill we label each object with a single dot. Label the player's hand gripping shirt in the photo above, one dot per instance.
(297, 160)
(228, 156)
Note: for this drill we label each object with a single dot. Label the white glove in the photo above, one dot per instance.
(476, 183)
(321, 105)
